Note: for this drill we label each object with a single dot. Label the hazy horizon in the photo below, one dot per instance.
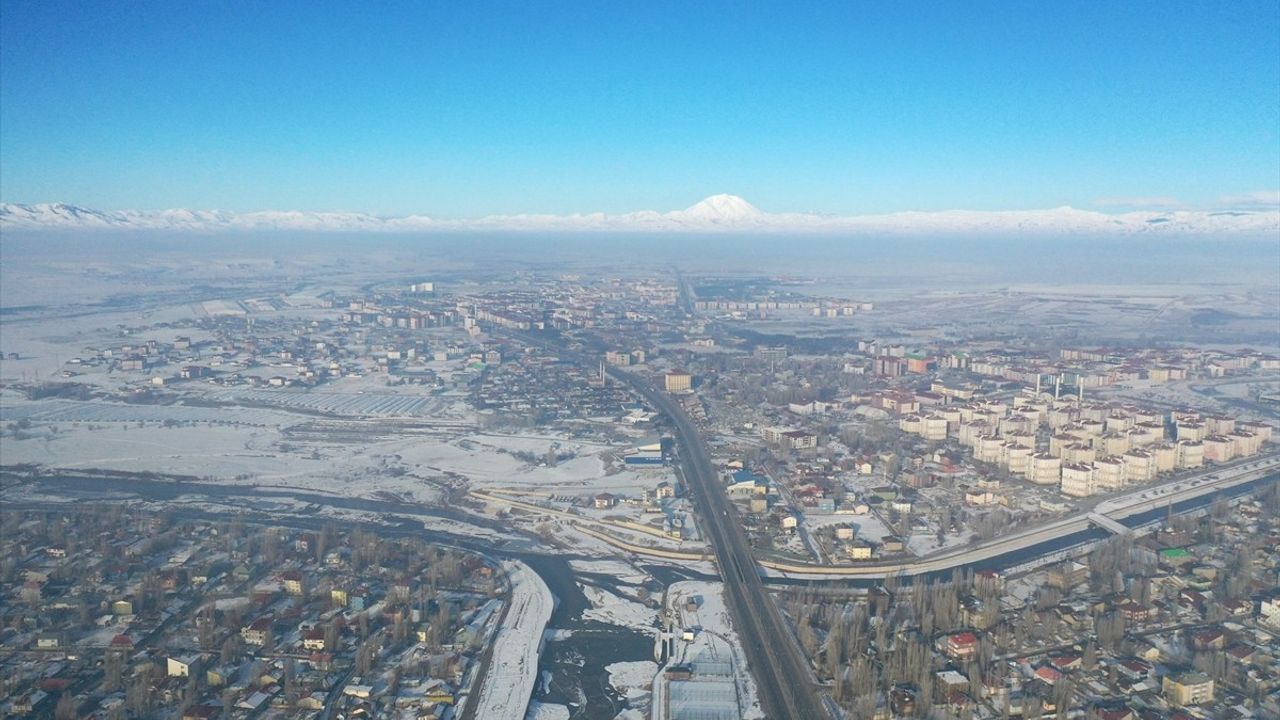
(949, 261)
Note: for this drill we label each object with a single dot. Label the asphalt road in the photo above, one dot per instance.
(782, 674)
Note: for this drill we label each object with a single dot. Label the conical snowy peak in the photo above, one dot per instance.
(721, 208)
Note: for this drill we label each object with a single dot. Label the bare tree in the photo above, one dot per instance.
(67, 708)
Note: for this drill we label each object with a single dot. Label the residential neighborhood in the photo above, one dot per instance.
(113, 614)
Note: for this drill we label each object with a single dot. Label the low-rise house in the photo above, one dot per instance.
(183, 666)
(293, 582)
(1214, 638)
(313, 639)
(257, 632)
(1136, 613)
(961, 646)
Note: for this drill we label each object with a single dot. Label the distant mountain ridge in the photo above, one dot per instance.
(718, 213)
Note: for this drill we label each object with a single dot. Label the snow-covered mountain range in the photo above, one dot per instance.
(718, 213)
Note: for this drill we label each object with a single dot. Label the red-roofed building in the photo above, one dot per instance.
(313, 639)
(1049, 674)
(1066, 661)
(1135, 669)
(256, 633)
(1241, 653)
(1209, 639)
(1137, 613)
(321, 661)
(292, 582)
(1115, 713)
(989, 578)
(54, 685)
(958, 701)
(961, 646)
(1236, 606)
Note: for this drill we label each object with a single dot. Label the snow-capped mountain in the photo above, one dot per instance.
(720, 210)
(718, 213)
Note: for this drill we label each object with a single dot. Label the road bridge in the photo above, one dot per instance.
(1106, 523)
(1136, 502)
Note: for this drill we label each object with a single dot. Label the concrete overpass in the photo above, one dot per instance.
(1106, 523)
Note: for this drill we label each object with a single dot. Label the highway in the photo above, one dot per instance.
(781, 672)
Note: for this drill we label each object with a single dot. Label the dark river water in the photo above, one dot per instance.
(573, 669)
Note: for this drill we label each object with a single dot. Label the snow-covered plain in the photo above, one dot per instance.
(258, 446)
(243, 455)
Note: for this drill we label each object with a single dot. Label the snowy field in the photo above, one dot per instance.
(259, 446)
(866, 526)
(357, 404)
(72, 411)
(489, 461)
(513, 672)
(921, 544)
(245, 455)
(44, 346)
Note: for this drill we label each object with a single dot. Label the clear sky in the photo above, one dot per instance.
(459, 109)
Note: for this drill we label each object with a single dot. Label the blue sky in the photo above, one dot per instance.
(467, 109)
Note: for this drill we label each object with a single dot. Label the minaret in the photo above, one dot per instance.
(1057, 386)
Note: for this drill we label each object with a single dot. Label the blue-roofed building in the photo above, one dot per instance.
(645, 456)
